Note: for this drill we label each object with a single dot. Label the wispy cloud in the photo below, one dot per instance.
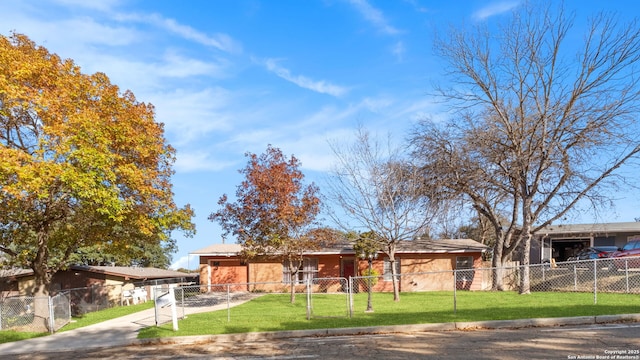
(219, 41)
(192, 115)
(319, 86)
(493, 9)
(102, 5)
(200, 160)
(185, 262)
(398, 50)
(374, 16)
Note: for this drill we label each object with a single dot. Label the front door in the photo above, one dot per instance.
(348, 268)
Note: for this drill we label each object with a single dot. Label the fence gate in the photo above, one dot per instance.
(322, 295)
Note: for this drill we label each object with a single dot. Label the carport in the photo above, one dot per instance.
(559, 242)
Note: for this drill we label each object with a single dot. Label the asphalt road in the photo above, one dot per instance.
(608, 341)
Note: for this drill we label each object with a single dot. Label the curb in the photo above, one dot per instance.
(374, 330)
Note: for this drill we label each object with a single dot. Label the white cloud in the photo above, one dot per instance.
(321, 86)
(143, 77)
(184, 262)
(179, 66)
(494, 9)
(398, 50)
(192, 115)
(220, 41)
(200, 160)
(102, 5)
(71, 37)
(374, 16)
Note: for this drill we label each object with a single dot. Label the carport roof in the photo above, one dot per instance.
(596, 228)
(133, 272)
(136, 273)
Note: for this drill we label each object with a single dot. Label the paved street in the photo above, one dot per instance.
(617, 341)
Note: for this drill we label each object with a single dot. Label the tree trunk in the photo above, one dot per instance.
(293, 289)
(293, 271)
(41, 312)
(42, 280)
(525, 284)
(497, 265)
(394, 279)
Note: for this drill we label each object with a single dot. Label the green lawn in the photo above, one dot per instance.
(103, 315)
(77, 322)
(274, 312)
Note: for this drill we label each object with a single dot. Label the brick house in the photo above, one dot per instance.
(93, 287)
(222, 264)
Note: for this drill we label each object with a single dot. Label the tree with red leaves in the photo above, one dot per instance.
(274, 215)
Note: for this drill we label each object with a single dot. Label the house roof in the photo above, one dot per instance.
(8, 273)
(441, 246)
(219, 250)
(603, 228)
(414, 247)
(133, 272)
(136, 273)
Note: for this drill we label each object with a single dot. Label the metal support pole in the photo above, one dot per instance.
(228, 303)
(308, 299)
(350, 291)
(595, 281)
(51, 316)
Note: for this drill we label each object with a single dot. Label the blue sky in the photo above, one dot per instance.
(230, 77)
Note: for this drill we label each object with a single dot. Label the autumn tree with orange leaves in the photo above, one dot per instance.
(274, 214)
(81, 164)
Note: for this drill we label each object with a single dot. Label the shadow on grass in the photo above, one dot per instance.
(203, 324)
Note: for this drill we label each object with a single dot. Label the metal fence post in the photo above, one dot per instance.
(595, 281)
(626, 273)
(228, 302)
(308, 299)
(51, 314)
(184, 313)
(155, 303)
(349, 296)
(455, 291)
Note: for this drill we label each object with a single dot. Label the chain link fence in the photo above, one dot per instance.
(338, 297)
(324, 297)
(35, 314)
(620, 275)
(224, 297)
(317, 297)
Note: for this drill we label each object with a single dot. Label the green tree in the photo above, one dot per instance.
(81, 164)
(274, 214)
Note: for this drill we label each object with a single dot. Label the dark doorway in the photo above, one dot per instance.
(348, 268)
(565, 249)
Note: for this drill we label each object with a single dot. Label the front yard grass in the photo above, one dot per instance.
(104, 315)
(274, 312)
(80, 321)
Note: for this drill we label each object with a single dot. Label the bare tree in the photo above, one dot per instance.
(379, 192)
(537, 128)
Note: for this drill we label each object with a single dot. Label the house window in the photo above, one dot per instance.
(464, 272)
(387, 275)
(464, 262)
(308, 270)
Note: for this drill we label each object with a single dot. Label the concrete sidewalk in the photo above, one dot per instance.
(123, 331)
